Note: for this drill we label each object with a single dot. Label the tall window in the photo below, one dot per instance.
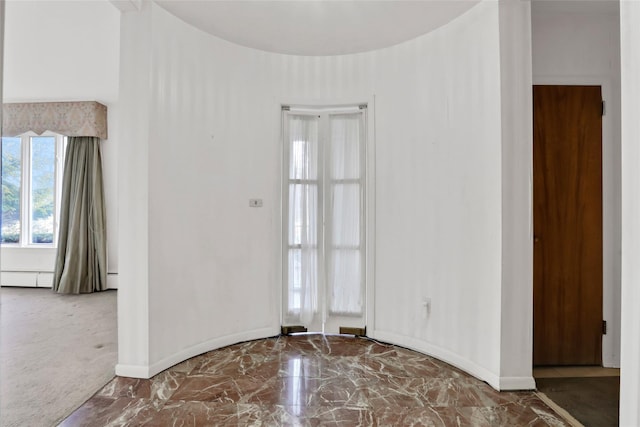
(31, 182)
(324, 206)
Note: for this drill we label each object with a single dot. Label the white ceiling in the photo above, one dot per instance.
(310, 27)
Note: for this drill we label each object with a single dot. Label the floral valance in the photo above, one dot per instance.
(67, 118)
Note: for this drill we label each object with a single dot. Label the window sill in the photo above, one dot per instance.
(37, 247)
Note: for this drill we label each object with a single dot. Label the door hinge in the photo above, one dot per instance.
(604, 327)
(604, 108)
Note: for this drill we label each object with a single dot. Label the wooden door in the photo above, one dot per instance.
(567, 197)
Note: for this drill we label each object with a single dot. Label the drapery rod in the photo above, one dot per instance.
(288, 108)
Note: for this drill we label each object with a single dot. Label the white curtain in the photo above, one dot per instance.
(303, 230)
(344, 238)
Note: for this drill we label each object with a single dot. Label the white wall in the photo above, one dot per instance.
(630, 361)
(133, 190)
(438, 198)
(516, 324)
(64, 51)
(210, 272)
(578, 42)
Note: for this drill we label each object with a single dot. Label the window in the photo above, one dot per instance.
(31, 183)
(323, 205)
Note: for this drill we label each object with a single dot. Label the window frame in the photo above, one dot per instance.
(26, 202)
(287, 182)
(329, 186)
(322, 307)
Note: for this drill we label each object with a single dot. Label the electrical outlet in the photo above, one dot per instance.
(255, 203)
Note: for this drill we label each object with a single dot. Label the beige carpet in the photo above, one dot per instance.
(56, 351)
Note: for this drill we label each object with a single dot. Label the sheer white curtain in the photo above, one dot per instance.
(344, 240)
(325, 221)
(303, 233)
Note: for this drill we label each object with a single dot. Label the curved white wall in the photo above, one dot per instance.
(209, 271)
(438, 176)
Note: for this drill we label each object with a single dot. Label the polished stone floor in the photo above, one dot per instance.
(310, 380)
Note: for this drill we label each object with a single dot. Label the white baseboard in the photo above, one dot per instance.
(498, 383)
(132, 371)
(112, 280)
(139, 371)
(20, 278)
(42, 279)
(517, 383)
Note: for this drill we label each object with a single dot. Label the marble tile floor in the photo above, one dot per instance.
(310, 380)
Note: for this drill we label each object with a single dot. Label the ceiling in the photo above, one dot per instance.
(309, 27)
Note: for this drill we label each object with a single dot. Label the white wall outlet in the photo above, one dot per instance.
(255, 203)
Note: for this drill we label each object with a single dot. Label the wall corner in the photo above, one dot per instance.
(133, 195)
(516, 322)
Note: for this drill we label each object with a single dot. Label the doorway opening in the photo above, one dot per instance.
(568, 251)
(324, 248)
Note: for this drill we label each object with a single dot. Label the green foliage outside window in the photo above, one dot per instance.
(11, 178)
(42, 197)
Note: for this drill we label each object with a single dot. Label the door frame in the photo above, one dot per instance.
(370, 197)
(611, 209)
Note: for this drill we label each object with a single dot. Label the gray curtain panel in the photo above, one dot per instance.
(81, 261)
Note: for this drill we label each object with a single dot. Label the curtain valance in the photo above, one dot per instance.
(86, 118)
